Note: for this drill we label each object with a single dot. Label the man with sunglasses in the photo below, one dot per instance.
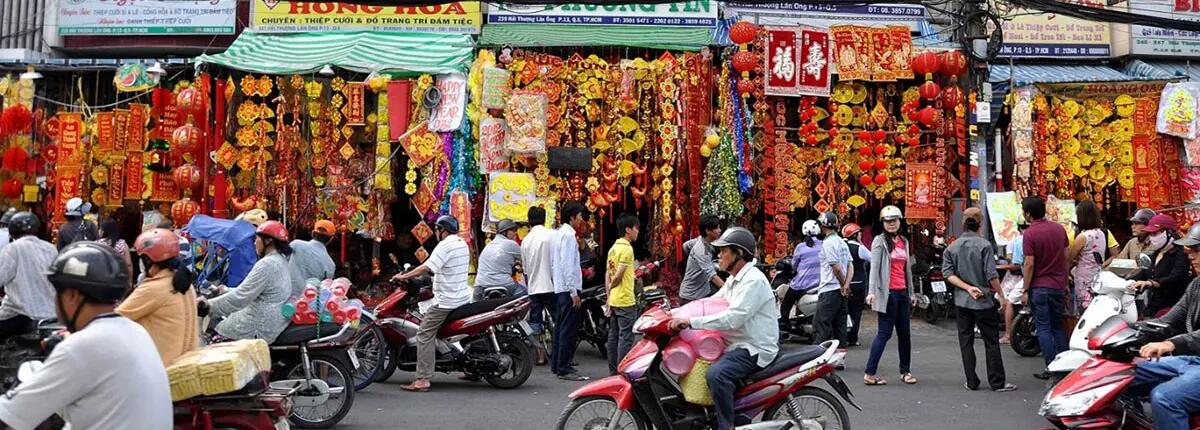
(1173, 369)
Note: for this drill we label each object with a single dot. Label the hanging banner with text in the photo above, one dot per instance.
(106, 17)
(798, 61)
(1145, 40)
(1037, 34)
(279, 16)
(696, 13)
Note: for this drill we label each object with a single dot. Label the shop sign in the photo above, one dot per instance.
(798, 60)
(1145, 40)
(695, 13)
(828, 15)
(148, 17)
(281, 16)
(1039, 34)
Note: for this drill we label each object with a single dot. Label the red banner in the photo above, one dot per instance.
(116, 182)
(902, 51)
(163, 188)
(70, 143)
(852, 45)
(355, 100)
(121, 128)
(920, 191)
(881, 55)
(133, 176)
(137, 128)
(106, 135)
(66, 186)
(399, 94)
(782, 64)
(816, 58)
(799, 61)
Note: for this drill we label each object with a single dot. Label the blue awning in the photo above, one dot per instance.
(1028, 74)
(1164, 69)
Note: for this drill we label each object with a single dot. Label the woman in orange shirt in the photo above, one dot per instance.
(165, 302)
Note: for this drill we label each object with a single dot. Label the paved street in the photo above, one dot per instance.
(939, 401)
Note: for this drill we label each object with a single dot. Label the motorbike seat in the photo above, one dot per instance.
(296, 334)
(476, 308)
(785, 361)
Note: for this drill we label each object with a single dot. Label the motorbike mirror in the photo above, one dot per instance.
(1144, 261)
(28, 369)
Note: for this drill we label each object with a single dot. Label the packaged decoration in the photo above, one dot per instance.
(218, 369)
(526, 117)
(323, 301)
(1177, 109)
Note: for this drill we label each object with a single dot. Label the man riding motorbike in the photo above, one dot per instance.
(310, 258)
(28, 295)
(164, 303)
(1171, 380)
(251, 310)
(1141, 238)
(750, 324)
(497, 260)
(105, 375)
(5, 237)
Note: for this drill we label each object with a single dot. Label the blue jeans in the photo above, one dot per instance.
(1048, 318)
(566, 326)
(898, 316)
(723, 378)
(1171, 383)
(540, 302)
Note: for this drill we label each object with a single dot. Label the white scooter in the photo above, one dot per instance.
(1112, 296)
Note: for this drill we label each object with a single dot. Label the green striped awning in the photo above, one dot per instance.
(541, 35)
(360, 51)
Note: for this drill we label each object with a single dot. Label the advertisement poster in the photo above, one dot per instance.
(696, 13)
(1145, 40)
(281, 16)
(152, 17)
(1035, 34)
(1004, 213)
(920, 192)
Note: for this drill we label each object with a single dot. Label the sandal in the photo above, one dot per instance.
(908, 378)
(873, 380)
(1005, 341)
(1006, 388)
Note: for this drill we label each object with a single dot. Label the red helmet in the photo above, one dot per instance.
(158, 245)
(274, 230)
(850, 229)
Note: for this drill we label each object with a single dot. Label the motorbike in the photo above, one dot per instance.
(1091, 396)
(257, 406)
(936, 301)
(643, 395)
(800, 324)
(487, 339)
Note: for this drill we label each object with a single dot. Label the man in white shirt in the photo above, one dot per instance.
(28, 295)
(107, 373)
(5, 237)
(568, 281)
(750, 324)
(448, 263)
(537, 259)
(836, 273)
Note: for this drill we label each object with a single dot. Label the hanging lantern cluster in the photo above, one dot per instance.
(15, 159)
(11, 188)
(808, 115)
(744, 61)
(873, 145)
(911, 136)
(15, 119)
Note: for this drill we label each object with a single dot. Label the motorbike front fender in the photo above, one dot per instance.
(614, 387)
(1068, 360)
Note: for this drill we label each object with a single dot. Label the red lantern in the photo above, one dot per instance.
(744, 61)
(929, 90)
(11, 188)
(926, 63)
(881, 179)
(914, 142)
(865, 165)
(863, 135)
(811, 140)
(14, 159)
(864, 180)
(881, 149)
(183, 210)
(745, 86)
(954, 63)
(879, 135)
(189, 100)
(187, 176)
(186, 138)
(913, 129)
(952, 96)
(929, 116)
(833, 132)
(15, 119)
(742, 32)
(881, 164)
(864, 151)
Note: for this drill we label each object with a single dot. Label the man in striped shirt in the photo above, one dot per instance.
(448, 263)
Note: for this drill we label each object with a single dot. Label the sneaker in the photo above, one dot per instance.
(1043, 376)
(572, 377)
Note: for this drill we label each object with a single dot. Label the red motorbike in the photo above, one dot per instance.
(488, 339)
(258, 406)
(644, 396)
(1091, 396)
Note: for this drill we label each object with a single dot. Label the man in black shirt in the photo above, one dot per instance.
(76, 229)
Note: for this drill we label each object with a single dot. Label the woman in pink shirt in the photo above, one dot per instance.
(889, 292)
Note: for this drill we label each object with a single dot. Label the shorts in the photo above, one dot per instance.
(1013, 287)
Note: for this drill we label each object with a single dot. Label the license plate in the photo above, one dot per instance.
(525, 328)
(938, 286)
(282, 424)
(353, 358)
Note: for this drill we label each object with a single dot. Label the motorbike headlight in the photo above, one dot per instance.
(1074, 404)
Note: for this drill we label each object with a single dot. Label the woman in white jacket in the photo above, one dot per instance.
(889, 293)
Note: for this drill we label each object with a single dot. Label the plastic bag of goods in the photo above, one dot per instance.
(679, 357)
(695, 384)
(708, 344)
(701, 308)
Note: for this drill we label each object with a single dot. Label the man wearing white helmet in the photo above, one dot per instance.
(836, 273)
(77, 229)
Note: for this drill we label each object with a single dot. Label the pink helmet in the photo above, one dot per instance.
(274, 230)
(158, 245)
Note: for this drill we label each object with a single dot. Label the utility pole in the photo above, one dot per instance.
(974, 38)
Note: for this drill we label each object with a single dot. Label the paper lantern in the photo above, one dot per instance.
(952, 96)
(811, 140)
(742, 32)
(186, 138)
(879, 135)
(745, 86)
(864, 151)
(929, 116)
(929, 90)
(11, 188)
(744, 61)
(954, 63)
(15, 119)
(183, 210)
(15, 159)
(926, 63)
(881, 179)
(865, 165)
(833, 132)
(881, 164)
(187, 176)
(189, 100)
(881, 149)
(864, 180)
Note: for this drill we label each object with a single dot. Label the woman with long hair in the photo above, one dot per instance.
(165, 302)
(889, 293)
(1086, 254)
(110, 234)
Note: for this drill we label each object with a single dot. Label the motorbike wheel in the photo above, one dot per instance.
(520, 368)
(372, 351)
(588, 413)
(813, 404)
(1024, 339)
(335, 372)
(388, 368)
(933, 313)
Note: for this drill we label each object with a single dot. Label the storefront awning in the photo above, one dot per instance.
(544, 35)
(360, 51)
(1028, 74)
(1164, 69)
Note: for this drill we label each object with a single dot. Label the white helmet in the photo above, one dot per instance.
(890, 213)
(810, 228)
